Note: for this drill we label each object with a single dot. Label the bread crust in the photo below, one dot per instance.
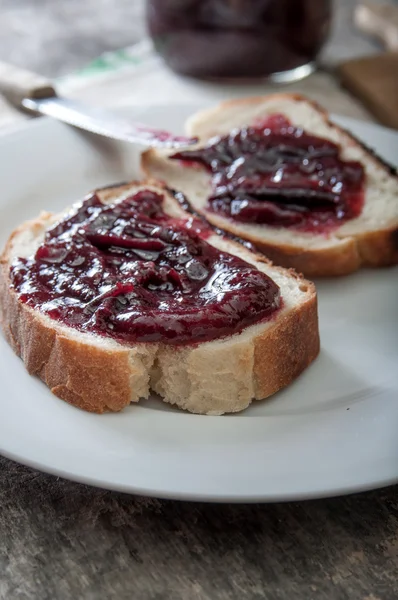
(288, 349)
(369, 249)
(377, 248)
(99, 379)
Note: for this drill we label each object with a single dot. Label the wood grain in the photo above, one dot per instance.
(60, 540)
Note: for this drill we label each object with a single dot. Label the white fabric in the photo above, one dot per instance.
(137, 76)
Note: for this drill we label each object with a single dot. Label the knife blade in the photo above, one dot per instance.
(36, 94)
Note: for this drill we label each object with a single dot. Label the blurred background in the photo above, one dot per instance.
(355, 42)
(57, 37)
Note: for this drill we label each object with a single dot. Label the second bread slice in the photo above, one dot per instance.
(370, 239)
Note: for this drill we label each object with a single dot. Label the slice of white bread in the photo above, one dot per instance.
(100, 374)
(370, 239)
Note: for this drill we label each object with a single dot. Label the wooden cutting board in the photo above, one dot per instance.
(374, 80)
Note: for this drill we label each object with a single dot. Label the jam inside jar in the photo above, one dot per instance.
(238, 39)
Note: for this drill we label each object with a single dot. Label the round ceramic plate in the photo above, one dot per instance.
(333, 431)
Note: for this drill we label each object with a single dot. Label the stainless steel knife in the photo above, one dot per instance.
(36, 94)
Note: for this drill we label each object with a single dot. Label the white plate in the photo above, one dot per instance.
(335, 430)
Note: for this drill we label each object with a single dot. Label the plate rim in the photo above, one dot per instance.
(197, 497)
(21, 130)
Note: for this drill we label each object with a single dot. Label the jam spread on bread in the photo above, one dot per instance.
(277, 174)
(131, 272)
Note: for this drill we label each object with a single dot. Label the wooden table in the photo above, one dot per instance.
(61, 540)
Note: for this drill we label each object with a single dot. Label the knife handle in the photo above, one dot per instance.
(17, 84)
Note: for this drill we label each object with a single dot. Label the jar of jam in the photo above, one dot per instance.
(239, 39)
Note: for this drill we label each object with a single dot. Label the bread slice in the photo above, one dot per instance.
(371, 239)
(100, 374)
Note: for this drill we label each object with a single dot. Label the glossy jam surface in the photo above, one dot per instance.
(131, 272)
(280, 175)
(238, 38)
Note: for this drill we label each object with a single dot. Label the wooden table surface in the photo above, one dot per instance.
(61, 540)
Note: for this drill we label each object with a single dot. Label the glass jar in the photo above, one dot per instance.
(235, 39)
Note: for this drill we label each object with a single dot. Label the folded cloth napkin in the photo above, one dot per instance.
(137, 76)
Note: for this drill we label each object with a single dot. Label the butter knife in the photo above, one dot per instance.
(36, 94)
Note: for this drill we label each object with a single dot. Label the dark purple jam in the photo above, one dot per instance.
(280, 175)
(238, 38)
(132, 272)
